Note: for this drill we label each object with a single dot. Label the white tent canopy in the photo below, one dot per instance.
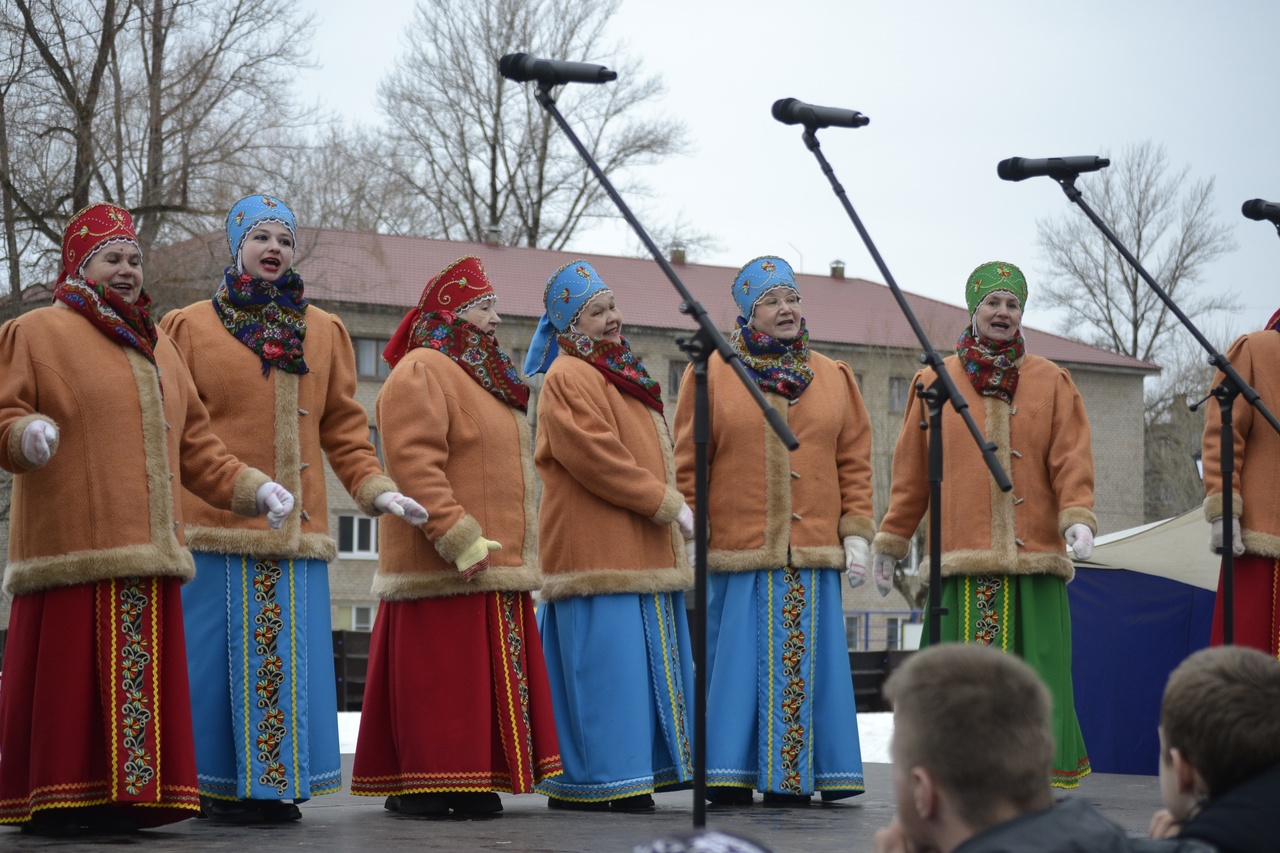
(1176, 548)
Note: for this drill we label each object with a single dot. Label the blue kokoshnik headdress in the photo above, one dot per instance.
(569, 289)
(757, 278)
(250, 212)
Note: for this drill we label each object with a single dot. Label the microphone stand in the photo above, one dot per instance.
(1232, 386)
(938, 394)
(699, 349)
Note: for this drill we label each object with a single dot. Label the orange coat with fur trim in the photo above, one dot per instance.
(1042, 442)
(770, 507)
(468, 456)
(1256, 357)
(608, 489)
(107, 503)
(280, 423)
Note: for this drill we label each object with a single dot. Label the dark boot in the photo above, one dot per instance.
(639, 804)
(475, 804)
(726, 796)
(428, 806)
(277, 811)
(772, 799)
(229, 811)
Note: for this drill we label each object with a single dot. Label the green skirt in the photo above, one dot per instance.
(1029, 616)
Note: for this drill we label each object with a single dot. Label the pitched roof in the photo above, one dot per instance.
(380, 269)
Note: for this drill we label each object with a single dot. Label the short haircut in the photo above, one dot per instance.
(1221, 710)
(980, 721)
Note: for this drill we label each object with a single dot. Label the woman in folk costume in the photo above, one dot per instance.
(783, 528)
(278, 376)
(101, 426)
(1004, 565)
(614, 628)
(456, 704)
(1255, 499)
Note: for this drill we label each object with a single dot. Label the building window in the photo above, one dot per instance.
(893, 630)
(675, 372)
(375, 438)
(369, 363)
(361, 618)
(899, 391)
(357, 537)
(853, 630)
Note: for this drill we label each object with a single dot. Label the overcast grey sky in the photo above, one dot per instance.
(951, 88)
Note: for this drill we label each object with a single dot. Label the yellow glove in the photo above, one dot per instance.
(475, 559)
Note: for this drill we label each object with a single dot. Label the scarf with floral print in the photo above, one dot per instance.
(1274, 322)
(266, 316)
(992, 366)
(618, 364)
(475, 352)
(779, 366)
(129, 325)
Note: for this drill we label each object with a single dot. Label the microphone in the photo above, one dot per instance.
(1058, 168)
(522, 67)
(1262, 210)
(791, 111)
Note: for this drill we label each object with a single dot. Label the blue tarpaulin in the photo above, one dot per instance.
(1129, 630)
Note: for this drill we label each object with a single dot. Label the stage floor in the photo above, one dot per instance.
(341, 822)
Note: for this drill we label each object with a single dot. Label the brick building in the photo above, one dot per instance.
(370, 281)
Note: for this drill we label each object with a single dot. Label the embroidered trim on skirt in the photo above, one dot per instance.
(456, 699)
(781, 715)
(1027, 615)
(621, 676)
(260, 651)
(73, 652)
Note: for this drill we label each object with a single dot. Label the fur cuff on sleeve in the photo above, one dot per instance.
(457, 538)
(15, 440)
(370, 488)
(892, 544)
(856, 525)
(244, 495)
(1077, 515)
(1213, 506)
(669, 508)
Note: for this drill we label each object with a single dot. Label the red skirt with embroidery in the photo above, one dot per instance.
(94, 704)
(1257, 604)
(456, 699)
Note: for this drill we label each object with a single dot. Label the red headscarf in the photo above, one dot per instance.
(458, 286)
(435, 323)
(88, 232)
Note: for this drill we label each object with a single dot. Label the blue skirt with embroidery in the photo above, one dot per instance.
(781, 716)
(621, 677)
(260, 658)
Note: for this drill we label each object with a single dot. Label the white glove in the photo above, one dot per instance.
(684, 518)
(275, 500)
(1080, 540)
(856, 552)
(37, 442)
(691, 551)
(1215, 535)
(401, 506)
(882, 566)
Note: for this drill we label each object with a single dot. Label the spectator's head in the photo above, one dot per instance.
(972, 742)
(1219, 724)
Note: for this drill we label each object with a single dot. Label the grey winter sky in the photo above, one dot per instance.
(951, 88)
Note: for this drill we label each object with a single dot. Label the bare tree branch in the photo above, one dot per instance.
(476, 151)
(1170, 227)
